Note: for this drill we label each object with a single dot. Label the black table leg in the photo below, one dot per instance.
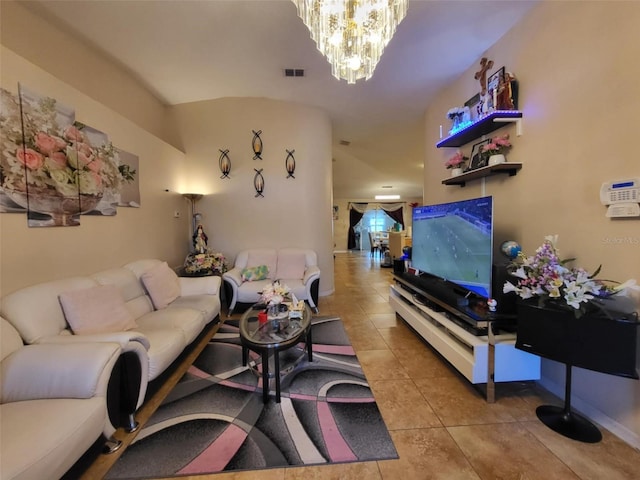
(276, 373)
(265, 376)
(565, 421)
(244, 355)
(309, 344)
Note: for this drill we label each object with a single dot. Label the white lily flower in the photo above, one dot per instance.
(553, 239)
(520, 273)
(629, 284)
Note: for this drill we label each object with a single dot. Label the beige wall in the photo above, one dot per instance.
(31, 255)
(577, 64)
(83, 68)
(294, 212)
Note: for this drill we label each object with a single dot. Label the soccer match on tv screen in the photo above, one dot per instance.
(454, 241)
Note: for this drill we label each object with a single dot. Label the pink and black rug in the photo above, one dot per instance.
(214, 420)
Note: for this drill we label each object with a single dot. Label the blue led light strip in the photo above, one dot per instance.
(486, 119)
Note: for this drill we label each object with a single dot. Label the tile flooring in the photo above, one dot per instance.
(441, 426)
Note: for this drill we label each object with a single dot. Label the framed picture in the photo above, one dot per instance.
(477, 159)
(495, 79)
(475, 107)
(493, 83)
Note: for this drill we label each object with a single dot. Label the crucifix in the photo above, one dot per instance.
(485, 64)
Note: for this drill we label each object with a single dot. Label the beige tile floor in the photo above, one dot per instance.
(442, 426)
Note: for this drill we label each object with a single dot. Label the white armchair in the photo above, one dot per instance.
(53, 404)
(295, 267)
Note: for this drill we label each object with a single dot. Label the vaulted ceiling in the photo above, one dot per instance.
(189, 51)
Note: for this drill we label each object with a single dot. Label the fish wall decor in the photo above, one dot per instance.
(256, 144)
(225, 163)
(290, 163)
(258, 182)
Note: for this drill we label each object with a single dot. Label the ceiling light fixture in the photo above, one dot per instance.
(352, 34)
(387, 197)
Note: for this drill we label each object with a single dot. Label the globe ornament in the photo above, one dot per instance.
(510, 249)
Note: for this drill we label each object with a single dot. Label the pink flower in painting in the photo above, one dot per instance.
(29, 157)
(73, 134)
(48, 144)
(95, 165)
(59, 159)
(85, 149)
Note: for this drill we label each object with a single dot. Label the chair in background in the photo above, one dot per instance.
(375, 245)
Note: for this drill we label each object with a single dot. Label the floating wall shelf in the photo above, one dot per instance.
(485, 125)
(509, 168)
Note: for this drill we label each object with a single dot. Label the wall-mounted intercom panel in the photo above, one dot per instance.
(622, 196)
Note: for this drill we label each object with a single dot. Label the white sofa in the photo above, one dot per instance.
(295, 267)
(53, 404)
(159, 334)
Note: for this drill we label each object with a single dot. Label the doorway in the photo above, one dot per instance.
(374, 220)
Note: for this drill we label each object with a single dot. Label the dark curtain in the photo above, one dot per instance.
(397, 216)
(354, 218)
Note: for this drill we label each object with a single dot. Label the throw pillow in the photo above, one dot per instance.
(253, 274)
(98, 309)
(162, 284)
(291, 266)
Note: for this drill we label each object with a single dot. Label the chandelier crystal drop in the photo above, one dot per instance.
(352, 34)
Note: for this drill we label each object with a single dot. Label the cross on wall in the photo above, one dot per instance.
(485, 65)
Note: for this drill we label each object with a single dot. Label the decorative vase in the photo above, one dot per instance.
(456, 171)
(496, 159)
(273, 310)
(62, 209)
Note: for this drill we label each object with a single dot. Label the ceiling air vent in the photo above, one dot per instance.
(293, 72)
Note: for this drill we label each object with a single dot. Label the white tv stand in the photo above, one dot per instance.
(486, 359)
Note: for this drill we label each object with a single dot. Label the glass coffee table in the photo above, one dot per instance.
(270, 338)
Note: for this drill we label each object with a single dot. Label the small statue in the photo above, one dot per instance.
(492, 303)
(505, 95)
(200, 240)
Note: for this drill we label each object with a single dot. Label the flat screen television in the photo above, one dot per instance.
(454, 241)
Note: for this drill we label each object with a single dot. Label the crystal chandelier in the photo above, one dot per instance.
(352, 34)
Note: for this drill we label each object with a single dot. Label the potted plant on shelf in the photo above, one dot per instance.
(456, 164)
(496, 149)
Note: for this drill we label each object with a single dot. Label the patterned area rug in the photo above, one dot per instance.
(214, 420)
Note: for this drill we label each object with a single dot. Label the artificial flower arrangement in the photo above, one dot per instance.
(460, 118)
(205, 262)
(457, 161)
(274, 294)
(498, 145)
(40, 152)
(548, 278)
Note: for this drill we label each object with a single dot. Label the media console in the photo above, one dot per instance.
(479, 345)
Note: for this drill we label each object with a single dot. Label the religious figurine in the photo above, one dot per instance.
(200, 240)
(505, 94)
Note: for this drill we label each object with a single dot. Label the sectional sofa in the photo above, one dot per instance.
(143, 307)
(53, 404)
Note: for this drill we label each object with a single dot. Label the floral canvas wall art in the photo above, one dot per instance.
(53, 166)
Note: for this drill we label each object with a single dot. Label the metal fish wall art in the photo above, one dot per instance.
(290, 163)
(256, 144)
(225, 163)
(258, 182)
